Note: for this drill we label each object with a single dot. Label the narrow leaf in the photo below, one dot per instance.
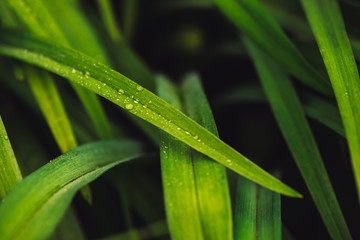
(292, 122)
(210, 177)
(10, 173)
(49, 100)
(127, 94)
(181, 202)
(251, 18)
(44, 195)
(245, 210)
(328, 26)
(268, 215)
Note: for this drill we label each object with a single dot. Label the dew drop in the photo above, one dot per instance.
(178, 128)
(139, 88)
(6, 137)
(131, 97)
(187, 133)
(136, 101)
(121, 91)
(129, 106)
(196, 137)
(73, 70)
(150, 102)
(144, 106)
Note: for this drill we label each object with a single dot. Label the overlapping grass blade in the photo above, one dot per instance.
(10, 173)
(178, 177)
(210, 177)
(49, 100)
(37, 17)
(313, 106)
(291, 119)
(44, 195)
(127, 94)
(257, 212)
(268, 215)
(125, 59)
(251, 18)
(245, 210)
(327, 24)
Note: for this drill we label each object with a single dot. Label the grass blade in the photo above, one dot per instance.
(38, 18)
(268, 215)
(327, 24)
(181, 202)
(251, 18)
(210, 177)
(127, 94)
(291, 119)
(48, 98)
(44, 195)
(10, 173)
(245, 210)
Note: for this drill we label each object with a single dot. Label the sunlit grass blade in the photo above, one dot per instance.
(39, 19)
(327, 24)
(292, 122)
(44, 195)
(127, 94)
(210, 177)
(268, 211)
(49, 100)
(245, 210)
(251, 18)
(178, 177)
(10, 173)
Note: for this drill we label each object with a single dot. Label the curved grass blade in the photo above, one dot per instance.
(44, 195)
(210, 177)
(48, 98)
(37, 17)
(127, 94)
(10, 173)
(327, 24)
(251, 18)
(245, 210)
(178, 177)
(292, 122)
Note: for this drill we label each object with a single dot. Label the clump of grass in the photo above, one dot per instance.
(74, 68)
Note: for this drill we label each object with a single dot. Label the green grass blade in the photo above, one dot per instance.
(108, 18)
(268, 215)
(10, 173)
(52, 19)
(291, 119)
(327, 24)
(245, 210)
(127, 94)
(251, 18)
(178, 177)
(210, 177)
(49, 100)
(44, 195)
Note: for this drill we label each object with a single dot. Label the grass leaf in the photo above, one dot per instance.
(251, 18)
(291, 119)
(210, 177)
(328, 26)
(48, 98)
(245, 210)
(10, 173)
(44, 195)
(127, 94)
(178, 177)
